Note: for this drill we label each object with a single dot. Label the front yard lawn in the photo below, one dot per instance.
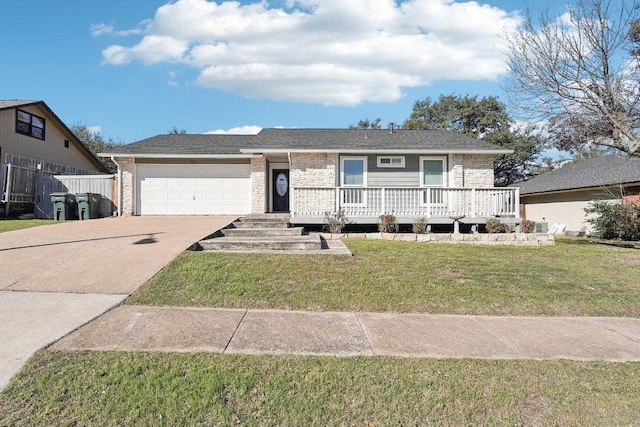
(574, 278)
(18, 224)
(149, 389)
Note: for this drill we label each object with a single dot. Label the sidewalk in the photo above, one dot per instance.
(358, 334)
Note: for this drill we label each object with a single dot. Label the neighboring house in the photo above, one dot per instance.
(33, 140)
(307, 172)
(561, 195)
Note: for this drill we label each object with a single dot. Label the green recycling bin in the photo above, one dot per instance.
(64, 206)
(88, 205)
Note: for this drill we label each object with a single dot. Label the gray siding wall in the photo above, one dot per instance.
(409, 176)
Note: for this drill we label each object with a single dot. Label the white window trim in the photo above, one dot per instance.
(445, 177)
(365, 161)
(391, 164)
(364, 170)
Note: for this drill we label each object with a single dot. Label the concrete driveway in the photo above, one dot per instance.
(56, 278)
(105, 256)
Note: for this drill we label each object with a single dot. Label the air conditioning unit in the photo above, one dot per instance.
(542, 227)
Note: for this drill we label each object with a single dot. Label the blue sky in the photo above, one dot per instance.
(134, 69)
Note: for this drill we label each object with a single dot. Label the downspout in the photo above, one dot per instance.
(119, 186)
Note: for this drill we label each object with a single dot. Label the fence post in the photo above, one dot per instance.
(7, 192)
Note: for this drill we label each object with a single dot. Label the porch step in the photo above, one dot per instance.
(263, 231)
(261, 223)
(277, 217)
(273, 243)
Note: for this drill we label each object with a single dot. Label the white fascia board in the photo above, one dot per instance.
(384, 151)
(181, 156)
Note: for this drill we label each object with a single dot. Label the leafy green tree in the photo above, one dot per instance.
(485, 119)
(367, 124)
(96, 143)
(176, 131)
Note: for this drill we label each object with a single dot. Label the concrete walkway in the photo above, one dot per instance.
(58, 277)
(353, 334)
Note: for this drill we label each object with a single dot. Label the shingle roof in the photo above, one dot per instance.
(273, 140)
(200, 144)
(596, 172)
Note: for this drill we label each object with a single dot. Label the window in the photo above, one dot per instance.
(29, 124)
(432, 171)
(353, 175)
(66, 143)
(354, 171)
(390, 161)
(432, 174)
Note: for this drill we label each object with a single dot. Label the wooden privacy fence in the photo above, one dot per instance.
(105, 185)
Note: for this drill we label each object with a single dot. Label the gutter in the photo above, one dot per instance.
(377, 151)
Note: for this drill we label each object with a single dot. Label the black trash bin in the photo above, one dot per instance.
(88, 205)
(64, 206)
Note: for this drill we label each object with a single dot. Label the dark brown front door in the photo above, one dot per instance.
(280, 180)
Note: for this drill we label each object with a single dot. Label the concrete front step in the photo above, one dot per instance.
(261, 224)
(273, 243)
(283, 217)
(258, 232)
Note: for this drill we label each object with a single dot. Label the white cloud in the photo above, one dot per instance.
(94, 129)
(240, 130)
(332, 52)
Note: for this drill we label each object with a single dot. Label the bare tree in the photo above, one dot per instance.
(580, 72)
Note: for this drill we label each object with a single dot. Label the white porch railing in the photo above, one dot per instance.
(405, 201)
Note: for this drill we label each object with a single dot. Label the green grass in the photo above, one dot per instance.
(149, 389)
(19, 224)
(573, 278)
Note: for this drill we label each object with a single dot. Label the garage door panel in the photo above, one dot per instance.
(194, 189)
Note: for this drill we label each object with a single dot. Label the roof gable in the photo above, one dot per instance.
(14, 103)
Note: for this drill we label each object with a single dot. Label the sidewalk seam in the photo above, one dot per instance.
(499, 338)
(364, 333)
(233, 334)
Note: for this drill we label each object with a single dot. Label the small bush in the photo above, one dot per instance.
(420, 226)
(615, 220)
(495, 226)
(527, 226)
(387, 224)
(334, 222)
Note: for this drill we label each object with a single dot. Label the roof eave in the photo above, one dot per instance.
(375, 151)
(179, 156)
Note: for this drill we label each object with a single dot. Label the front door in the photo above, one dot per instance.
(280, 180)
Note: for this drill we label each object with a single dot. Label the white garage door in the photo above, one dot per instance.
(193, 189)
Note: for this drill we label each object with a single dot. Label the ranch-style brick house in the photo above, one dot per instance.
(308, 172)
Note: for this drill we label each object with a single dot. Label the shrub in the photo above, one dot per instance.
(615, 220)
(420, 226)
(388, 223)
(527, 226)
(495, 226)
(334, 222)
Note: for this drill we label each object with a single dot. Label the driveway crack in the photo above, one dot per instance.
(364, 333)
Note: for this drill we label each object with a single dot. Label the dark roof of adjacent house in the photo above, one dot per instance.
(13, 103)
(16, 103)
(309, 140)
(588, 173)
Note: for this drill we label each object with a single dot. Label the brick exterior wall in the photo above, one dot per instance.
(128, 167)
(631, 195)
(472, 170)
(314, 170)
(259, 185)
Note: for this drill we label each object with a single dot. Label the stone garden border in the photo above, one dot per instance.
(504, 239)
